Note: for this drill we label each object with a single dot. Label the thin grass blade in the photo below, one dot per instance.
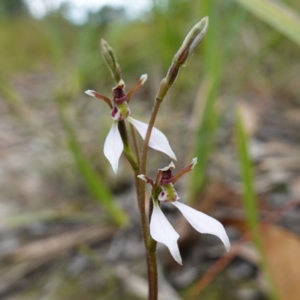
(250, 200)
(277, 14)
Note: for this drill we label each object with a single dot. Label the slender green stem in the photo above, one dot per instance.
(150, 208)
(148, 134)
(141, 190)
(150, 244)
(135, 144)
(152, 270)
(141, 205)
(127, 150)
(135, 167)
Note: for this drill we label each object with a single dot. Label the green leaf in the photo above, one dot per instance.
(249, 197)
(250, 200)
(278, 15)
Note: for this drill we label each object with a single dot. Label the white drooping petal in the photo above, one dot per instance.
(203, 223)
(163, 232)
(113, 146)
(158, 140)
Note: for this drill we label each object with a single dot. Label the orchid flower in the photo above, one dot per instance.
(113, 146)
(160, 229)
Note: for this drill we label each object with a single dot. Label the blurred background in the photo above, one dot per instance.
(69, 228)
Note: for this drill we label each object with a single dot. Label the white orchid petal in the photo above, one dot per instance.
(158, 140)
(113, 146)
(163, 232)
(203, 223)
(170, 166)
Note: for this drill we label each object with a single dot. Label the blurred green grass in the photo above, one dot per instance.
(236, 40)
(249, 198)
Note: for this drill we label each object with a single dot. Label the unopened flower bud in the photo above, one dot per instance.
(110, 59)
(192, 40)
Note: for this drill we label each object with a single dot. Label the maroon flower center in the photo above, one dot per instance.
(166, 177)
(119, 95)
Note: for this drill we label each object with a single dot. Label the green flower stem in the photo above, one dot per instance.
(152, 275)
(150, 208)
(142, 188)
(135, 144)
(150, 244)
(127, 149)
(155, 110)
(131, 159)
(135, 166)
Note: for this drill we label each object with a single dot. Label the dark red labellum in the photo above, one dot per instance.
(119, 95)
(166, 177)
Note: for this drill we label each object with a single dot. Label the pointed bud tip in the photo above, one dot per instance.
(200, 29)
(90, 93)
(205, 19)
(203, 24)
(103, 44)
